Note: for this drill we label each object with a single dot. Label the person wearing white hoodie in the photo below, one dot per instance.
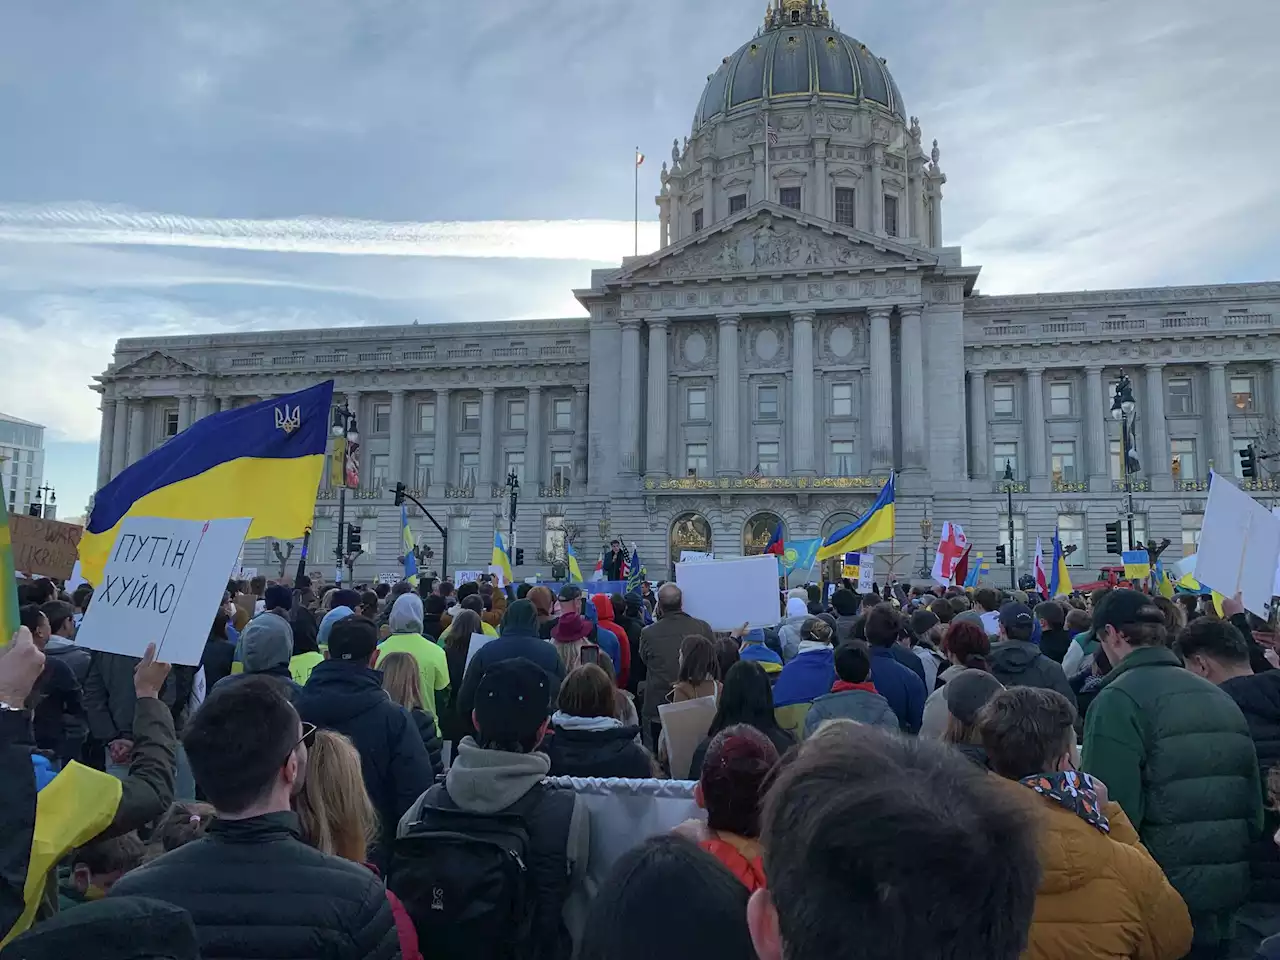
(789, 629)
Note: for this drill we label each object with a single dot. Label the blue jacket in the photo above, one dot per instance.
(608, 644)
(510, 645)
(900, 686)
(807, 677)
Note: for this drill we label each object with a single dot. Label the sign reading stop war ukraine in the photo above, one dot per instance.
(162, 584)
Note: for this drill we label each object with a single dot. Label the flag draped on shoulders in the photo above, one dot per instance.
(874, 526)
(263, 461)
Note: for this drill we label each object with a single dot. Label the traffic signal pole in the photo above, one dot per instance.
(402, 494)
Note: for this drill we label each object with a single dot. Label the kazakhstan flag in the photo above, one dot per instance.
(263, 461)
(800, 555)
(874, 526)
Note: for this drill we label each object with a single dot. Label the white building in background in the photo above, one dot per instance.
(21, 461)
(801, 332)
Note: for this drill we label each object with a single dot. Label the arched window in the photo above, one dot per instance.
(835, 522)
(758, 531)
(689, 531)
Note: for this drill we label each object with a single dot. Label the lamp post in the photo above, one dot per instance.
(1008, 489)
(926, 530)
(513, 491)
(1123, 409)
(344, 429)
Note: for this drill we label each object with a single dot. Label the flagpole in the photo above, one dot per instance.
(766, 157)
(636, 163)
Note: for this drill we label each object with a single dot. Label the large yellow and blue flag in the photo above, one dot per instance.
(1060, 578)
(262, 461)
(410, 557)
(575, 571)
(874, 526)
(635, 571)
(9, 621)
(501, 557)
(1137, 564)
(977, 568)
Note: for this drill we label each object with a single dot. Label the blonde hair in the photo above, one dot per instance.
(958, 731)
(333, 806)
(402, 680)
(570, 655)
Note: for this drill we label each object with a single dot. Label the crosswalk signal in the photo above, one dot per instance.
(1113, 539)
(519, 557)
(1249, 463)
(1002, 554)
(353, 539)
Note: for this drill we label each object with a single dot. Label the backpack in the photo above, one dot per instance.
(464, 880)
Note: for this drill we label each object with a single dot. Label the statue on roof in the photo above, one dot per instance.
(914, 131)
(675, 153)
(935, 154)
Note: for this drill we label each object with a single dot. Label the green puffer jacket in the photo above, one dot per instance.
(1175, 753)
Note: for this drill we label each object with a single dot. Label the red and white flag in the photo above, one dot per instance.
(598, 572)
(1042, 578)
(951, 548)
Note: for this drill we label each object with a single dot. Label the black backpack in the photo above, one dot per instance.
(464, 880)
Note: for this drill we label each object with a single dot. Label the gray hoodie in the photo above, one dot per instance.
(1019, 663)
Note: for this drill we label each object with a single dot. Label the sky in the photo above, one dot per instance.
(262, 164)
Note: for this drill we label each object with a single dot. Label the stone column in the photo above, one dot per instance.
(979, 446)
(533, 439)
(1095, 429)
(580, 436)
(1034, 422)
(202, 407)
(1275, 393)
(488, 436)
(914, 448)
(935, 217)
(881, 391)
(442, 469)
(395, 464)
(223, 404)
(822, 198)
(656, 407)
(628, 399)
(184, 413)
(877, 192)
(727, 439)
(1157, 431)
(105, 441)
(137, 431)
(119, 438)
(802, 384)
(759, 189)
(1219, 422)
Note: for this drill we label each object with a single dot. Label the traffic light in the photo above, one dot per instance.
(399, 494)
(353, 539)
(1002, 554)
(1113, 539)
(519, 557)
(1249, 463)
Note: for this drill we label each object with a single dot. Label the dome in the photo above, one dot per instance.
(798, 54)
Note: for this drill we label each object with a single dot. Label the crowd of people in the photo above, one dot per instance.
(395, 771)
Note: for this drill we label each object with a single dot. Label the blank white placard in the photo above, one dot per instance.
(729, 593)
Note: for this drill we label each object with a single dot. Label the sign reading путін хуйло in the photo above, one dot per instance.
(162, 584)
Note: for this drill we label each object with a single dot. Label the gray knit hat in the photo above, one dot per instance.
(968, 692)
(267, 642)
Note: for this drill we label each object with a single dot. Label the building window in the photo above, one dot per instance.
(555, 538)
(380, 470)
(842, 464)
(696, 462)
(767, 403)
(515, 415)
(1191, 524)
(1242, 394)
(1063, 459)
(1182, 455)
(1071, 530)
(1002, 453)
(842, 399)
(697, 220)
(459, 537)
(789, 197)
(1019, 556)
(170, 423)
(471, 416)
(846, 206)
(767, 459)
(426, 418)
(561, 468)
(1115, 460)
(382, 418)
(737, 203)
(422, 467)
(696, 404)
(1002, 400)
(1060, 399)
(468, 469)
(890, 216)
(562, 410)
(1180, 398)
(515, 464)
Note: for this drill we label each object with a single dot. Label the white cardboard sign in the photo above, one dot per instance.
(465, 576)
(1239, 546)
(478, 640)
(162, 584)
(729, 593)
(693, 556)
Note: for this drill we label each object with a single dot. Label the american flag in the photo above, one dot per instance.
(772, 133)
(755, 474)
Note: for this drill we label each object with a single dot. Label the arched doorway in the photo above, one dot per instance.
(833, 567)
(689, 531)
(758, 531)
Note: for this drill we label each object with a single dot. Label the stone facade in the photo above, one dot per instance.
(801, 332)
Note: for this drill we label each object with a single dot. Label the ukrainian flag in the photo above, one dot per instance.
(1137, 564)
(1060, 582)
(874, 526)
(410, 558)
(977, 570)
(501, 558)
(575, 571)
(263, 461)
(9, 621)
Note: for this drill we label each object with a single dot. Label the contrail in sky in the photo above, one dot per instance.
(603, 241)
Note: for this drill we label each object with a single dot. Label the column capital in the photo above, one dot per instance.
(580, 390)
(729, 319)
(1155, 365)
(534, 389)
(1036, 372)
(488, 391)
(803, 316)
(1275, 364)
(442, 391)
(629, 323)
(911, 309)
(977, 375)
(1094, 369)
(1217, 364)
(879, 313)
(658, 323)
(397, 391)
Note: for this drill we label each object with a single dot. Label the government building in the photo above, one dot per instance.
(802, 331)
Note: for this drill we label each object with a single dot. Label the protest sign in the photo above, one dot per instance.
(466, 576)
(390, 578)
(1239, 546)
(44, 548)
(693, 556)
(498, 577)
(478, 640)
(162, 584)
(685, 725)
(729, 593)
(861, 569)
(248, 573)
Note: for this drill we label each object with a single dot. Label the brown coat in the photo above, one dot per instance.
(660, 650)
(1101, 895)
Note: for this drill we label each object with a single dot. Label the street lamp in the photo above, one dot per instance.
(46, 509)
(1124, 409)
(1008, 489)
(345, 430)
(926, 530)
(513, 491)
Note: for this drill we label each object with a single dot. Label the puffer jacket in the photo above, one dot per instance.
(1175, 753)
(254, 889)
(857, 702)
(1019, 663)
(595, 747)
(426, 724)
(1258, 698)
(1101, 895)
